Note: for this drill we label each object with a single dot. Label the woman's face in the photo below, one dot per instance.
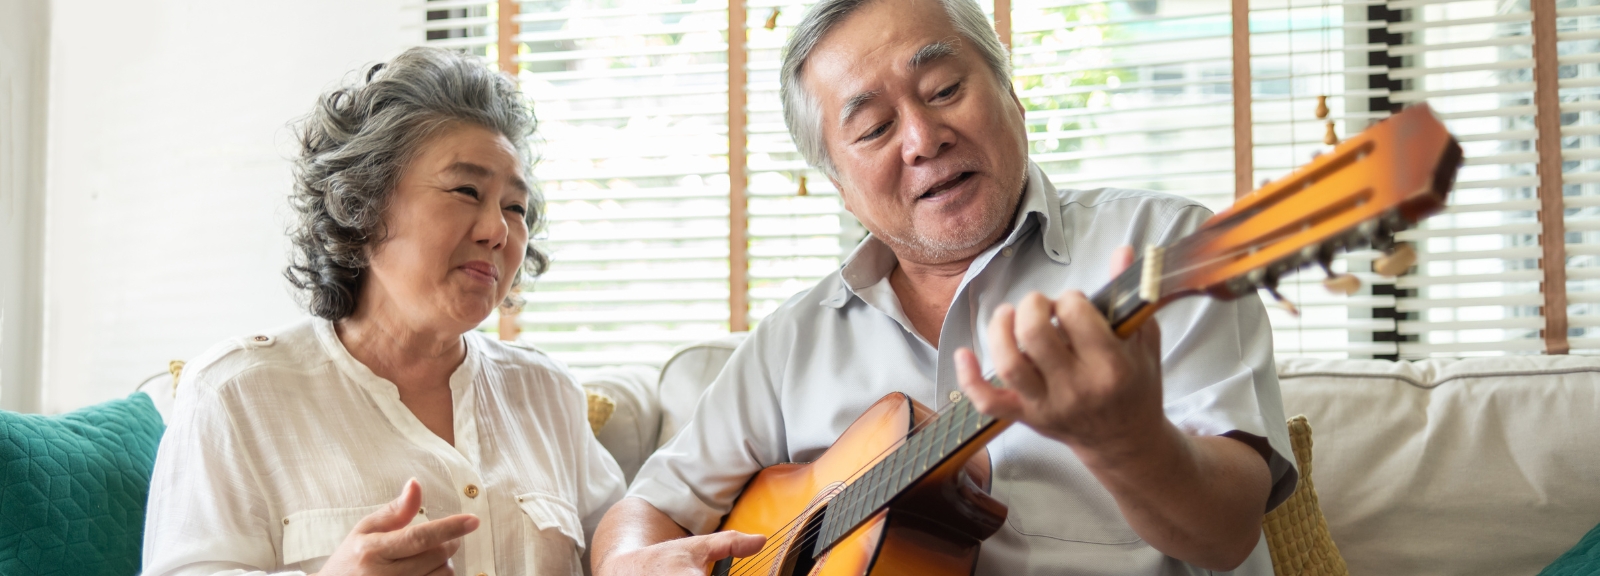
(455, 234)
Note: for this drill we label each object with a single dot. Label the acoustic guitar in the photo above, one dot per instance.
(904, 489)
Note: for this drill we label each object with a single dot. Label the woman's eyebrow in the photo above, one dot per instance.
(479, 171)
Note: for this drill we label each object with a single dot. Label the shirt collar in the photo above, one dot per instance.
(872, 260)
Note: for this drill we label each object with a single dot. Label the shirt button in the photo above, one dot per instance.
(955, 396)
(1008, 251)
(471, 491)
(260, 338)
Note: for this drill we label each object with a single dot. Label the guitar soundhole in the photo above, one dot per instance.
(799, 557)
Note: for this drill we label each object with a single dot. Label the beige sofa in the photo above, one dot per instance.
(1486, 466)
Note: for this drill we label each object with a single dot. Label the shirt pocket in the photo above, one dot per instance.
(315, 534)
(556, 532)
(1051, 494)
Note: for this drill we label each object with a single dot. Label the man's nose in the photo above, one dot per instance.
(924, 135)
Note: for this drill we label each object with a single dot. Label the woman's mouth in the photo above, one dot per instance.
(940, 188)
(481, 271)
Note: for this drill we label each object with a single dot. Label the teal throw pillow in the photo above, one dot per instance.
(73, 488)
(1581, 560)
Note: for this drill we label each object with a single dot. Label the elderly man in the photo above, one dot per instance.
(1154, 455)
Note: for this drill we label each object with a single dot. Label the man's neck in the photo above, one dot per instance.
(925, 292)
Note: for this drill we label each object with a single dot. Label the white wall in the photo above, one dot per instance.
(168, 172)
(24, 62)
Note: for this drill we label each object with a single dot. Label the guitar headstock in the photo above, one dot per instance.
(1360, 194)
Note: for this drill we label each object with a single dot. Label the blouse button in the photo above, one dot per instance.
(471, 491)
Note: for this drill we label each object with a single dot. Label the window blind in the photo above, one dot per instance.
(1577, 25)
(1306, 55)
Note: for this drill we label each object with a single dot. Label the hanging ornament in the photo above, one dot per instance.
(802, 191)
(1330, 138)
(772, 22)
(1322, 107)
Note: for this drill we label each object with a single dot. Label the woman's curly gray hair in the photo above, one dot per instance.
(355, 145)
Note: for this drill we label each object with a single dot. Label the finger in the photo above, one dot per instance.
(1002, 403)
(396, 514)
(1040, 338)
(425, 562)
(415, 539)
(1087, 328)
(1121, 258)
(714, 547)
(1014, 369)
(445, 570)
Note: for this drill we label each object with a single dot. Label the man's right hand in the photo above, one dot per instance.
(636, 539)
(684, 556)
(383, 543)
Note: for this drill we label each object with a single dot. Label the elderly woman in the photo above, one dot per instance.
(288, 448)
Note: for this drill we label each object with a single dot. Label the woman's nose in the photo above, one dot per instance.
(491, 228)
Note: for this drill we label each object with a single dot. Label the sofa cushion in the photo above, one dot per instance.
(686, 375)
(630, 430)
(1297, 532)
(73, 488)
(1464, 467)
(1581, 560)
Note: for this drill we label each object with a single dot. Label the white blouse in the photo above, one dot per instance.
(279, 443)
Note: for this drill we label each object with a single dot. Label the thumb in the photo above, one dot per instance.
(396, 514)
(713, 547)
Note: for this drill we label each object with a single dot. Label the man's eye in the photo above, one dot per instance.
(876, 132)
(948, 92)
(468, 190)
(518, 208)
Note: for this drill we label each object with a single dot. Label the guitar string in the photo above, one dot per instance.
(773, 545)
(756, 561)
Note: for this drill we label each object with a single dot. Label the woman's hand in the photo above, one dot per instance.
(684, 556)
(383, 545)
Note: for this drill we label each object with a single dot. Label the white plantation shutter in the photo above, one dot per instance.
(1128, 94)
(1578, 47)
(1299, 50)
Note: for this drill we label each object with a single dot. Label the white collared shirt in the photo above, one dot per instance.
(826, 355)
(280, 443)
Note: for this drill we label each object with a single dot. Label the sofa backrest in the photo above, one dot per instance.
(1477, 466)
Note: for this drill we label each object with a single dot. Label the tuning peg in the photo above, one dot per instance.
(1342, 284)
(1396, 262)
(1283, 302)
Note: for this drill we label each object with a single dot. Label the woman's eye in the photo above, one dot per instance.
(948, 92)
(468, 190)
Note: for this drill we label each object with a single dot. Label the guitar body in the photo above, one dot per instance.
(933, 529)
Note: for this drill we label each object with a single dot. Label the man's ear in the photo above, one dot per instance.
(844, 196)
(1021, 111)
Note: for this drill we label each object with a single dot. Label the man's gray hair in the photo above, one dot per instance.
(358, 140)
(801, 111)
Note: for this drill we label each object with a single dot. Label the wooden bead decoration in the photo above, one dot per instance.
(1343, 284)
(1330, 138)
(1322, 107)
(1396, 262)
(772, 22)
(802, 191)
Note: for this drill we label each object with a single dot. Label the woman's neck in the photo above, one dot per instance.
(402, 353)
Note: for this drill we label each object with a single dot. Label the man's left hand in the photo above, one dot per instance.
(1067, 375)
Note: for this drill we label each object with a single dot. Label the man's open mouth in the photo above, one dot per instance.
(939, 188)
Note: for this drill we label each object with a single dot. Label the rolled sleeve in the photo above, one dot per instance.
(1218, 370)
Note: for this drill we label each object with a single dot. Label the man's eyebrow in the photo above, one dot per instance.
(931, 52)
(854, 105)
(478, 171)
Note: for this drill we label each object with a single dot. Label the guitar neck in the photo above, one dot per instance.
(957, 427)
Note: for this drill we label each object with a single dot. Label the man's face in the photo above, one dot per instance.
(930, 149)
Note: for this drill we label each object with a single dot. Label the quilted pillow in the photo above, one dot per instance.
(73, 488)
(1581, 560)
